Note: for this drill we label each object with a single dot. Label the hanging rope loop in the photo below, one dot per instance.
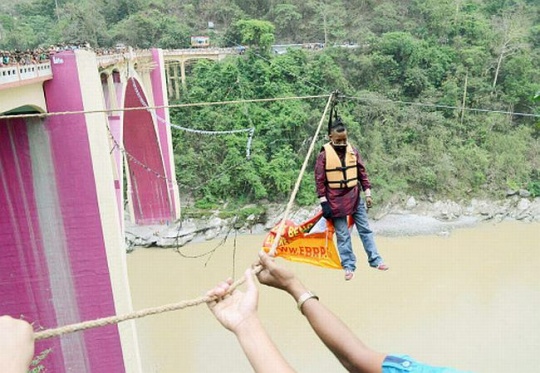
(334, 100)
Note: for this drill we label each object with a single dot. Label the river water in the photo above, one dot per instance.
(470, 300)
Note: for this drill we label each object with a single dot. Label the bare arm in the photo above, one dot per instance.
(353, 354)
(16, 345)
(238, 313)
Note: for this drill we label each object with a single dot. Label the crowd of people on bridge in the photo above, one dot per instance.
(27, 57)
(43, 54)
(36, 56)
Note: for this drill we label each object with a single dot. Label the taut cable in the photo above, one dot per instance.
(32, 115)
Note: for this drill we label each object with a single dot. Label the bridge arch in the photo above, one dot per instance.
(24, 109)
(146, 177)
(112, 89)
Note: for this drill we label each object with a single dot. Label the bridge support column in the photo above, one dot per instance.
(173, 80)
(159, 93)
(113, 100)
(183, 73)
(89, 217)
(177, 83)
(28, 285)
(170, 78)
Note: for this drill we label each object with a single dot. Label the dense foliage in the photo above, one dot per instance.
(405, 68)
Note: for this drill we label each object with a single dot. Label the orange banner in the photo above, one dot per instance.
(311, 242)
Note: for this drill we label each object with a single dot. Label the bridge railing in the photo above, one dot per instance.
(112, 59)
(199, 51)
(22, 73)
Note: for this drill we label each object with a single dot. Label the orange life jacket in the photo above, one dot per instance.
(340, 174)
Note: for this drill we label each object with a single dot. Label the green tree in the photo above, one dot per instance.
(328, 21)
(82, 22)
(388, 16)
(152, 28)
(286, 18)
(255, 8)
(437, 17)
(118, 10)
(46, 8)
(511, 36)
(222, 12)
(256, 33)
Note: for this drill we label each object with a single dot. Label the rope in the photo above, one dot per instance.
(49, 333)
(119, 318)
(55, 332)
(439, 106)
(160, 107)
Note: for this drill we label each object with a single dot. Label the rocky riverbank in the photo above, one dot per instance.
(406, 217)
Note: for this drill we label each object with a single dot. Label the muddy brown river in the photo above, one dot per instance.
(470, 300)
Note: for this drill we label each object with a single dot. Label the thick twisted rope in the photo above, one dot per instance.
(49, 333)
(159, 107)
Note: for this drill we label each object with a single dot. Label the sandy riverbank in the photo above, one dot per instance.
(410, 218)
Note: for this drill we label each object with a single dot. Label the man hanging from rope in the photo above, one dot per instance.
(340, 177)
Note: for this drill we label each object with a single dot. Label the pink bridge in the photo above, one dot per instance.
(64, 181)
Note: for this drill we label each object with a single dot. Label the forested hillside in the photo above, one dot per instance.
(439, 95)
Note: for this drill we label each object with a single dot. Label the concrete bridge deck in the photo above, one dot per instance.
(13, 76)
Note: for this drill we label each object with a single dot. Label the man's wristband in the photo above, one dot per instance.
(304, 297)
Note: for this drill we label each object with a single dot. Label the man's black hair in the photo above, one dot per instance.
(337, 126)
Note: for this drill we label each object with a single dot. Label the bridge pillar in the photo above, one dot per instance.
(173, 80)
(159, 93)
(27, 283)
(183, 73)
(87, 214)
(63, 257)
(170, 78)
(112, 99)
